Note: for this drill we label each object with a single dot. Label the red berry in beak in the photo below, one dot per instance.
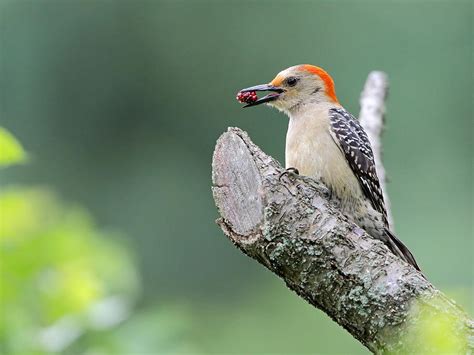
(247, 97)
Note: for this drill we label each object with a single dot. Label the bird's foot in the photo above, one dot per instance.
(291, 172)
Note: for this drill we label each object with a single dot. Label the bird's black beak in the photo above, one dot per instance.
(275, 93)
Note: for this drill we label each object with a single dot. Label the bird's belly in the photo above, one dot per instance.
(320, 158)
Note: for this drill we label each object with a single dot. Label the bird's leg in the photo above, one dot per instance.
(290, 172)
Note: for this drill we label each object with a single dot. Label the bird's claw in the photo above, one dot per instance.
(290, 172)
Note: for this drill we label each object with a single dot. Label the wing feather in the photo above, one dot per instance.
(354, 143)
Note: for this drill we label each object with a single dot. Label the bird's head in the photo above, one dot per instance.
(296, 86)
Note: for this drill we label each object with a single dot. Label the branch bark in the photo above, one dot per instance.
(288, 225)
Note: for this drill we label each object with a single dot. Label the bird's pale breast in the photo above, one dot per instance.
(311, 149)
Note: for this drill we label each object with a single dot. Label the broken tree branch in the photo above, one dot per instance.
(288, 225)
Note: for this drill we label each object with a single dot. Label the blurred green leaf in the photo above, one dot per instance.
(11, 151)
(439, 332)
(61, 276)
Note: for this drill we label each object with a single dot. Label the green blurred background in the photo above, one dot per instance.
(108, 237)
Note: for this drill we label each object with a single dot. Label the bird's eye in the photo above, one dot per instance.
(291, 81)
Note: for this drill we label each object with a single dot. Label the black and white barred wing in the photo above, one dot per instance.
(354, 143)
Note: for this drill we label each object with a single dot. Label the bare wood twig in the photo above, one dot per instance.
(371, 117)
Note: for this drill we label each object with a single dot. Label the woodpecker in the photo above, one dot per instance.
(325, 142)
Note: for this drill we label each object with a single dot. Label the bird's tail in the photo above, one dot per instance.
(399, 249)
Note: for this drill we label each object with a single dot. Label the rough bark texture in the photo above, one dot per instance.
(289, 226)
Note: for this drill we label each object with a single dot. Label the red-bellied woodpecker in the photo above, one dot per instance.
(327, 143)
